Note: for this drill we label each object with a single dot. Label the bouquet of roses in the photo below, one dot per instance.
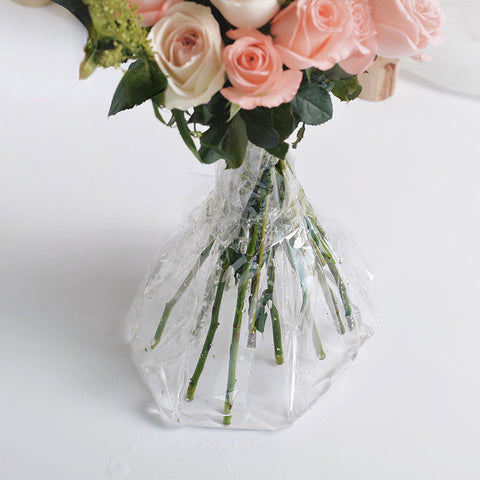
(248, 70)
(241, 80)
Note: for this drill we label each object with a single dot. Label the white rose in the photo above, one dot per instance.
(188, 48)
(247, 13)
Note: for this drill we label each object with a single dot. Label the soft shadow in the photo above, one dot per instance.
(68, 305)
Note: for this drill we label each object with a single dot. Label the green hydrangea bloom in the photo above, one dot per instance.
(116, 35)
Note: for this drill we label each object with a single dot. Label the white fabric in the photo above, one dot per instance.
(456, 63)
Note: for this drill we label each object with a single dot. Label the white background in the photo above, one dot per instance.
(85, 202)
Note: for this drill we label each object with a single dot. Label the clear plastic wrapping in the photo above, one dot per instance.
(253, 307)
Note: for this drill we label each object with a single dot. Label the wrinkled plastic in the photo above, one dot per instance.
(198, 342)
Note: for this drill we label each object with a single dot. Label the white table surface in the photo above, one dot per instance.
(85, 202)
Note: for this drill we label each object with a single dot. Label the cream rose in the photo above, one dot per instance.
(188, 49)
(247, 13)
(406, 27)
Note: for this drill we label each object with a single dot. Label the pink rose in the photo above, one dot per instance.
(405, 27)
(314, 33)
(255, 69)
(153, 10)
(364, 38)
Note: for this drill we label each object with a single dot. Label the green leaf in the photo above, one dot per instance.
(267, 127)
(312, 105)
(283, 120)
(235, 143)
(317, 77)
(260, 129)
(300, 135)
(142, 81)
(227, 140)
(234, 109)
(211, 143)
(210, 112)
(337, 73)
(280, 151)
(77, 8)
(157, 112)
(185, 132)
(348, 89)
(224, 138)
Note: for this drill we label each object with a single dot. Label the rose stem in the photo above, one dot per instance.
(252, 337)
(320, 240)
(208, 297)
(276, 327)
(328, 257)
(305, 296)
(216, 308)
(237, 324)
(323, 280)
(170, 304)
(328, 292)
(318, 342)
(256, 280)
(305, 300)
(211, 330)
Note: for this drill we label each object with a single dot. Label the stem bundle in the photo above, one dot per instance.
(247, 263)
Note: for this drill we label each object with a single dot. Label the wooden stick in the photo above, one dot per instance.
(379, 81)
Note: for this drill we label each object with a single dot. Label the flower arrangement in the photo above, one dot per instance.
(227, 61)
(241, 80)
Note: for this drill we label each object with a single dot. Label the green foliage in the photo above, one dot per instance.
(115, 35)
(312, 104)
(312, 76)
(185, 132)
(235, 143)
(343, 85)
(215, 109)
(337, 73)
(268, 127)
(142, 81)
(300, 135)
(223, 139)
(260, 130)
(279, 151)
(347, 89)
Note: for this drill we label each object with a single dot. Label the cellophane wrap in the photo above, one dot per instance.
(253, 308)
